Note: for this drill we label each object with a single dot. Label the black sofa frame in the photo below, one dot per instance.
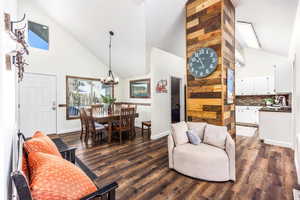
(107, 192)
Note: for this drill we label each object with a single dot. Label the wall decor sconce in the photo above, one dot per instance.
(17, 34)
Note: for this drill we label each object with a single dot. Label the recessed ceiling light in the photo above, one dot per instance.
(247, 31)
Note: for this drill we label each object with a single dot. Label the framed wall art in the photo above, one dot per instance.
(140, 88)
(161, 86)
(230, 86)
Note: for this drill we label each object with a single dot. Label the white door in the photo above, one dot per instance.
(38, 104)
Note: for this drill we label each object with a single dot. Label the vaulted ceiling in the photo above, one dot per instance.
(273, 21)
(90, 21)
(142, 24)
(138, 26)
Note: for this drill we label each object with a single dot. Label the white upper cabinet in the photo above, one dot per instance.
(263, 85)
(255, 86)
(283, 78)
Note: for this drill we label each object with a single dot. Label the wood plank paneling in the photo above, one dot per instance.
(211, 23)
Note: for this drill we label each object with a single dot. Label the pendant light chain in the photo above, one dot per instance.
(110, 80)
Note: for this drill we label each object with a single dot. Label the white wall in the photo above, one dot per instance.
(163, 66)
(66, 56)
(124, 96)
(8, 126)
(259, 63)
(294, 57)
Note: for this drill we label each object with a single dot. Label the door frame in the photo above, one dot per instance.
(181, 97)
(56, 93)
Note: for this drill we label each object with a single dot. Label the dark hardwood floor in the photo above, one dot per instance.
(141, 168)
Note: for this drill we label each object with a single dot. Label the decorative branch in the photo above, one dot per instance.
(18, 35)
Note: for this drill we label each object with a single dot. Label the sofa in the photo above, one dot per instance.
(213, 159)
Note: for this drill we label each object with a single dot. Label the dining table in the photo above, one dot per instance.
(108, 118)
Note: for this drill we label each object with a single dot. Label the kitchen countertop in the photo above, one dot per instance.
(275, 109)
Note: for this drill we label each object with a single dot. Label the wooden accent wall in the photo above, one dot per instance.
(211, 23)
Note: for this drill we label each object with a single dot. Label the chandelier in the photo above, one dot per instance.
(110, 79)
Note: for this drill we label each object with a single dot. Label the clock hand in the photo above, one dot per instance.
(201, 62)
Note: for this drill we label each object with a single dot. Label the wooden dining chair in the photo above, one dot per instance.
(83, 121)
(97, 108)
(119, 106)
(95, 128)
(85, 128)
(132, 122)
(125, 122)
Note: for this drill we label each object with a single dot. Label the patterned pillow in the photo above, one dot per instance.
(41, 143)
(55, 178)
(38, 134)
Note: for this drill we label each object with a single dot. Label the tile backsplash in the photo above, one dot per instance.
(256, 100)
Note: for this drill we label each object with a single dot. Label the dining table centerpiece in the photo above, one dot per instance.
(109, 101)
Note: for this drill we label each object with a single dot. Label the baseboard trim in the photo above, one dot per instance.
(278, 143)
(159, 135)
(69, 130)
(244, 134)
(296, 156)
(297, 168)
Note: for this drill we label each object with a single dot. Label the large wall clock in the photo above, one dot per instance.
(203, 62)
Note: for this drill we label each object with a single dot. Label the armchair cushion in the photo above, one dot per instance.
(199, 128)
(202, 161)
(230, 150)
(179, 133)
(215, 135)
(55, 178)
(41, 143)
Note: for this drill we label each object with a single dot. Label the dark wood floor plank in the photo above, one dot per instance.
(140, 167)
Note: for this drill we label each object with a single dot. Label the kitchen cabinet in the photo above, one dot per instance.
(283, 78)
(276, 128)
(263, 85)
(244, 86)
(247, 114)
(255, 86)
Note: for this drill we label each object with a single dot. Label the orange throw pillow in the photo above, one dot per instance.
(38, 134)
(54, 178)
(41, 143)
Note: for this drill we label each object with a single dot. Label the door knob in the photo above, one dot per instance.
(54, 105)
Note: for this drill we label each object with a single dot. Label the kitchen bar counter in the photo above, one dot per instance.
(275, 109)
(275, 126)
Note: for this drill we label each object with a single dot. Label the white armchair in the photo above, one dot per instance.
(212, 160)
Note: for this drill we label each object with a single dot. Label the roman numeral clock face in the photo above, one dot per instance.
(203, 62)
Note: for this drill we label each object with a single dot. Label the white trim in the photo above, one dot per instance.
(247, 132)
(160, 135)
(297, 168)
(244, 134)
(69, 130)
(296, 194)
(278, 143)
(296, 156)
